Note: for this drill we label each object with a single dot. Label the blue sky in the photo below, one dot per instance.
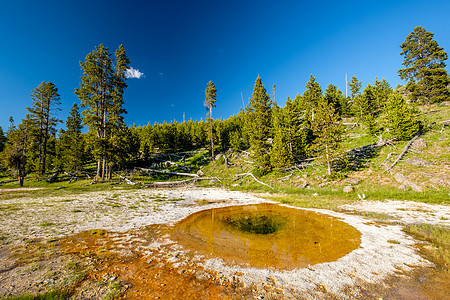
(180, 45)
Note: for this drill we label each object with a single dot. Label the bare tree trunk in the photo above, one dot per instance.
(97, 176)
(328, 161)
(103, 168)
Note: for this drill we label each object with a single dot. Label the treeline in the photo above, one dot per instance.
(311, 125)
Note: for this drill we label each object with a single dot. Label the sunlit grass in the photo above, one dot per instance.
(437, 235)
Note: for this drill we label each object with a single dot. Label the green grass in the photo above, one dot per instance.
(393, 242)
(47, 224)
(439, 237)
(51, 295)
(9, 207)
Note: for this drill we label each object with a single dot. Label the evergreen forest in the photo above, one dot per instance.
(317, 128)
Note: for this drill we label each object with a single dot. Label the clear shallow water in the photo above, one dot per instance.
(267, 236)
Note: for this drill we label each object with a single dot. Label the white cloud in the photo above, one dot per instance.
(133, 73)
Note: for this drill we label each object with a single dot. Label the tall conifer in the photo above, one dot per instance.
(46, 101)
(70, 148)
(329, 135)
(424, 67)
(210, 103)
(101, 93)
(258, 126)
(400, 120)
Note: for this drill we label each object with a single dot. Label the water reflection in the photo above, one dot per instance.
(267, 235)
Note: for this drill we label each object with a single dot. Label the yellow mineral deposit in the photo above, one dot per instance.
(267, 236)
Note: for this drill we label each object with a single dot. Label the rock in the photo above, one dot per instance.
(322, 184)
(403, 180)
(200, 173)
(440, 181)
(417, 162)
(218, 156)
(442, 138)
(353, 180)
(403, 187)
(348, 189)
(419, 144)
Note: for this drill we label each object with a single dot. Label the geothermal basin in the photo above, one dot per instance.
(267, 236)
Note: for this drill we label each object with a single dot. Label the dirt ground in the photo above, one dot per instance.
(117, 244)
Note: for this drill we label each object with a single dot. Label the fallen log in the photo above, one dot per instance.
(53, 177)
(387, 158)
(173, 164)
(166, 184)
(427, 112)
(403, 152)
(72, 176)
(166, 172)
(8, 181)
(253, 176)
(128, 181)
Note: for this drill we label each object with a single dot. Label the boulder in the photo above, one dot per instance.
(417, 162)
(440, 181)
(200, 173)
(218, 156)
(348, 189)
(419, 144)
(403, 180)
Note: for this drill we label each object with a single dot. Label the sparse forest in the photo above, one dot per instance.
(312, 127)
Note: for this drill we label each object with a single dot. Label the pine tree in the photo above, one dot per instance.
(399, 119)
(296, 129)
(311, 97)
(329, 135)
(382, 90)
(280, 154)
(334, 97)
(355, 87)
(363, 105)
(45, 101)
(424, 67)
(2, 139)
(258, 126)
(71, 146)
(124, 149)
(14, 155)
(210, 102)
(101, 93)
